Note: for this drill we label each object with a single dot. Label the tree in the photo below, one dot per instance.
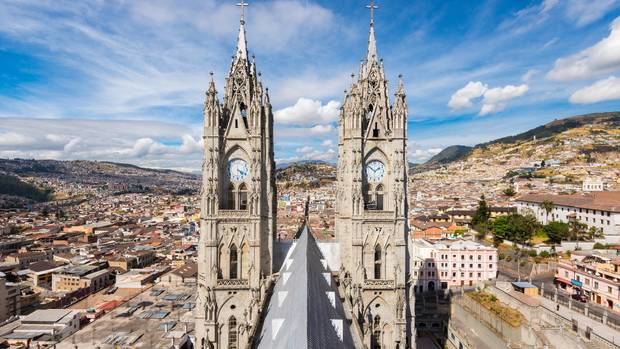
(516, 228)
(548, 206)
(510, 191)
(580, 232)
(482, 214)
(556, 231)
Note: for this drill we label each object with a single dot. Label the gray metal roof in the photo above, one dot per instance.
(305, 310)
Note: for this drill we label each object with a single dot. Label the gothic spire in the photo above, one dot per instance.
(242, 44)
(372, 42)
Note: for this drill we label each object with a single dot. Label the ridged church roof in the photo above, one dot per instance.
(305, 310)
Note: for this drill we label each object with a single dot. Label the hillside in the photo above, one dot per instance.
(588, 137)
(113, 177)
(13, 186)
(306, 174)
(450, 154)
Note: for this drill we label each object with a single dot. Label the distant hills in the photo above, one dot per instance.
(115, 177)
(556, 127)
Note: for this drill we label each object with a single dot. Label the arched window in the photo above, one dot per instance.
(230, 197)
(377, 262)
(234, 262)
(376, 333)
(243, 197)
(369, 114)
(243, 109)
(379, 197)
(232, 333)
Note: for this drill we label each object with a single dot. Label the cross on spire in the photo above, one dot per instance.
(372, 7)
(243, 5)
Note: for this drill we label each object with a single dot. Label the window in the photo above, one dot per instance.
(609, 289)
(243, 197)
(377, 262)
(379, 197)
(233, 262)
(232, 333)
(596, 285)
(376, 333)
(230, 197)
(375, 131)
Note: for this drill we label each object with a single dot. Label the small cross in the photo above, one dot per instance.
(372, 7)
(243, 5)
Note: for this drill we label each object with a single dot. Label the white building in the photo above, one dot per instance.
(593, 184)
(596, 209)
(43, 328)
(451, 263)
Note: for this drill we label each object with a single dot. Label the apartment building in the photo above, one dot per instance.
(596, 276)
(596, 209)
(78, 277)
(451, 263)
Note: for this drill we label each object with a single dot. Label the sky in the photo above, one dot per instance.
(125, 81)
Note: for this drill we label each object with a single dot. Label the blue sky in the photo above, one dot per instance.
(125, 80)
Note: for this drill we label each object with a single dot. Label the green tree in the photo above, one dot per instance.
(510, 191)
(483, 213)
(556, 231)
(576, 230)
(548, 206)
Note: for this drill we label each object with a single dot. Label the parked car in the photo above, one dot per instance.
(580, 297)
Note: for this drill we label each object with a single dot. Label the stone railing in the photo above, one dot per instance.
(378, 284)
(232, 283)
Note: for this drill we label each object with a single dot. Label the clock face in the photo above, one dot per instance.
(237, 170)
(375, 171)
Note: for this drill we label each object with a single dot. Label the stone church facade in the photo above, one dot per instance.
(238, 195)
(371, 205)
(238, 209)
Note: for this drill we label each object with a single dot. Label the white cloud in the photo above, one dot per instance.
(14, 139)
(462, 98)
(493, 99)
(327, 143)
(547, 5)
(602, 90)
(604, 57)
(584, 12)
(529, 75)
(308, 112)
(322, 129)
(305, 149)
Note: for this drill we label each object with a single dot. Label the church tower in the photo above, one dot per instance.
(371, 204)
(237, 221)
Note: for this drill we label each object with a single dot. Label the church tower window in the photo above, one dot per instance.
(243, 197)
(234, 262)
(232, 333)
(230, 197)
(377, 262)
(375, 131)
(376, 333)
(379, 197)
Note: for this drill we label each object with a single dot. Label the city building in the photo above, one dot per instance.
(43, 328)
(73, 278)
(451, 263)
(593, 275)
(600, 210)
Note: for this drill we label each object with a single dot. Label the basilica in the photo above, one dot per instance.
(248, 298)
